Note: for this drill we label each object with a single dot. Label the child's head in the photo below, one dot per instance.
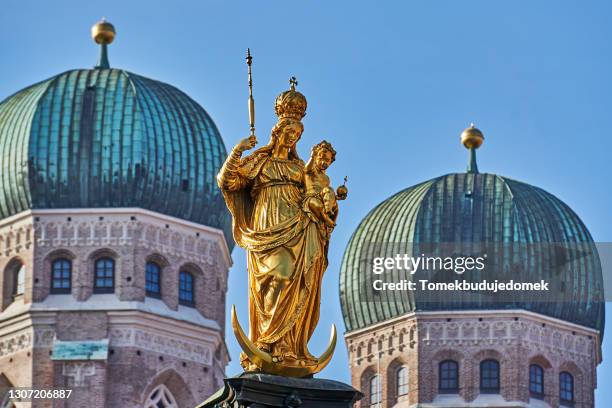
(323, 155)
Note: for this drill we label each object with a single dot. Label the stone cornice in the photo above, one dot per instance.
(165, 326)
(109, 303)
(12, 224)
(471, 314)
(459, 329)
(126, 329)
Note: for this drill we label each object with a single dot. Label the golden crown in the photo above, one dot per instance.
(291, 104)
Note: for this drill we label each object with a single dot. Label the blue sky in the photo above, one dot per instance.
(390, 84)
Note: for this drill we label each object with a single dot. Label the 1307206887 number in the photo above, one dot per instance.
(25, 394)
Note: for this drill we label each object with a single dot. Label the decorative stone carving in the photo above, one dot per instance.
(142, 339)
(16, 237)
(77, 371)
(161, 397)
(495, 331)
(43, 338)
(25, 339)
(15, 343)
(103, 233)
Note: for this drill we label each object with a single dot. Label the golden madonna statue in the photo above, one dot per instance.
(283, 213)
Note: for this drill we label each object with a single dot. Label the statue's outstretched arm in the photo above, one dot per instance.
(229, 177)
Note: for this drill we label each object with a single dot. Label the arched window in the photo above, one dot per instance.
(13, 282)
(161, 397)
(186, 289)
(566, 388)
(104, 280)
(20, 281)
(401, 378)
(375, 391)
(489, 376)
(153, 285)
(61, 272)
(449, 377)
(536, 381)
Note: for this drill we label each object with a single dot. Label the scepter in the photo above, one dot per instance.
(249, 61)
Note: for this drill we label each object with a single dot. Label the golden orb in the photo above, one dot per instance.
(103, 32)
(472, 137)
(342, 191)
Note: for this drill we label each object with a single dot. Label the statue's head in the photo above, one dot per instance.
(290, 107)
(323, 155)
(286, 133)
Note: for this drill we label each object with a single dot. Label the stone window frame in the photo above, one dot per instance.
(448, 390)
(577, 376)
(104, 289)
(49, 262)
(450, 354)
(371, 403)
(188, 277)
(9, 280)
(175, 383)
(392, 372)
(364, 383)
(532, 393)
(196, 274)
(398, 381)
(163, 264)
(94, 258)
(148, 270)
(566, 385)
(496, 365)
(61, 279)
(548, 380)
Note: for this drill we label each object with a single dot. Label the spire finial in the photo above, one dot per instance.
(249, 60)
(293, 82)
(103, 33)
(472, 138)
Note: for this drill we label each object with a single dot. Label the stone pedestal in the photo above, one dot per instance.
(256, 390)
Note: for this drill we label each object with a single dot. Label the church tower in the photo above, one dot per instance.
(466, 348)
(114, 240)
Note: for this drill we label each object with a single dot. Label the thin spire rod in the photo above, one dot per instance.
(472, 165)
(103, 59)
(249, 60)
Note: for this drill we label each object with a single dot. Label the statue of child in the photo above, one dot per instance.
(320, 199)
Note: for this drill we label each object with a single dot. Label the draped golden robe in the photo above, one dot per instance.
(286, 253)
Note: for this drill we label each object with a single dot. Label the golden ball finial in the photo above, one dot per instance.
(103, 32)
(342, 191)
(472, 137)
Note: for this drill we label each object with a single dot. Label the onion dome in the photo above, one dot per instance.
(104, 137)
(527, 233)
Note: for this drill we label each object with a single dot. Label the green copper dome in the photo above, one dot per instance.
(512, 219)
(110, 138)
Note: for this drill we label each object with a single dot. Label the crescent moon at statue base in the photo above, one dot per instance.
(268, 364)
